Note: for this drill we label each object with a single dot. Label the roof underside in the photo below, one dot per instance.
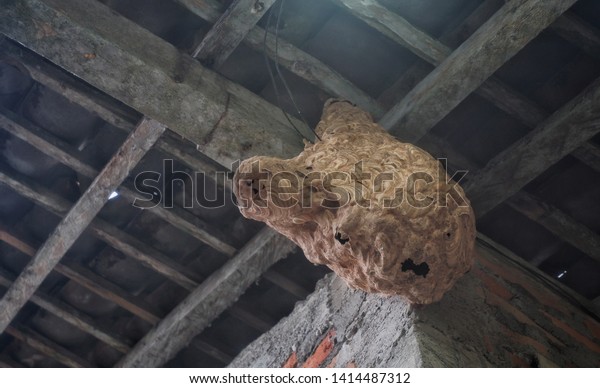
(77, 77)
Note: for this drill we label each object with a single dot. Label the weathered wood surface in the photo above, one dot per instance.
(397, 29)
(501, 37)
(589, 153)
(209, 300)
(579, 33)
(154, 78)
(47, 347)
(559, 223)
(229, 31)
(72, 316)
(89, 280)
(557, 136)
(292, 58)
(78, 218)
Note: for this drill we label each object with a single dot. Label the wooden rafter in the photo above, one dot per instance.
(78, 218)
(47, 347)
(209, 300)
(557, 136)
(72, 316)
(293, 59)
(230, 30)
(558, 223)
(71, 157)
(501, 37)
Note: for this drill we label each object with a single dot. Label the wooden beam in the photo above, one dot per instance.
(560, 134)
(47, 347)
(89, 98)
(500, 38)
(589, 153)
(71, 157)
(286, 284)
(293, 59)
(154, 78)
(559, 223)
(579, 33)
(89, 280)
(78, 218)
(229, 31)
(209, 300)
(72, 316)
(397, 29)
(102, 230)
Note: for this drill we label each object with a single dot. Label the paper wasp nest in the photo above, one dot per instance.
(380, 213)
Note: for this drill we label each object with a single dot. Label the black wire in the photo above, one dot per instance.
(272, 75)
(285, 84)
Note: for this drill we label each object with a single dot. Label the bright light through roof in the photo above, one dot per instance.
(112, 195)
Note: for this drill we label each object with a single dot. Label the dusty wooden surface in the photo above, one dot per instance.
(78, 218)
(501, 37)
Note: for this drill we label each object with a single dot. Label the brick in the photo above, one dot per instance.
(493, 285)
(576, 335)
(322, 351)
(291, 362)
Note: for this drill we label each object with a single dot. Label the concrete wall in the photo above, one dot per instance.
(503, 313)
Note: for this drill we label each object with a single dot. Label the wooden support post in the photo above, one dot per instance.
(78, 218)
(229, 31)
(209, 300)
(501, 37)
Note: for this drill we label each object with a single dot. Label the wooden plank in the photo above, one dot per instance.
(559, 223)
(89, 280)
(47, 347)
(397, 29)
(579, 33)
(209, 300)
(560, 134)
(293, 59)
(78, 218)
(286, 284)
(229, 31)
(589, 154)
(154, 78)
(102, 230)
(81, 94)
(212, 351)
(72, 316)
(500, 38)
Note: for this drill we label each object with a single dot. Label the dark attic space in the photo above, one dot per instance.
(122, 125)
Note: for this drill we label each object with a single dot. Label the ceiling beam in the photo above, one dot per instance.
(71, 157)
(588, 153)
(559, 223)
(67, 313)
(89, 280)
(397, 29)
(47, 347)
(78, 218)
(107, 290)
(209, 300)
(113, 236)
(564, 131)
(154, 78)
(579, 33)
(292, 58)
(229, 31)
(493, 44)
